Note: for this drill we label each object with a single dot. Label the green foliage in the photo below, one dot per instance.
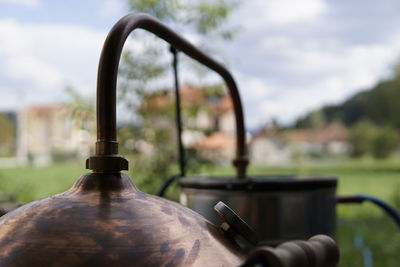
(395, 197)
(214, 92)
(366, 138)
(164, 10)
(362, 136)
(208, 16)
(137, 72)
(385, 142)
(202, 16)
(7, 135)
(82, 109)
(396, 69)
(315, 119)
(383, 107)
(377, 235)
(155, 147)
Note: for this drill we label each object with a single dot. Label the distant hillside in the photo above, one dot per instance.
(380, 104)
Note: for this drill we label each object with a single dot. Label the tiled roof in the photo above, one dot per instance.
(224, 105)
(45, 109)
(328, 133)
(217, 140)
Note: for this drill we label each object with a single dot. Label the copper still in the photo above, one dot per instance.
(104, 220)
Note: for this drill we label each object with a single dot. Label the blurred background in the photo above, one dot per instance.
(319, 80)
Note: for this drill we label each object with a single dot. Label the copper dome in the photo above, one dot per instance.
(104, 220)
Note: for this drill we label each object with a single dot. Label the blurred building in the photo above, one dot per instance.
(219, 146)
(267, 146)
(47, 133)
(8, 129)
(208, 122)
(270, 146)
(51, 132)
(212, 129)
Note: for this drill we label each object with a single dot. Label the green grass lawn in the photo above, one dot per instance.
(362, 229)
(30, 183)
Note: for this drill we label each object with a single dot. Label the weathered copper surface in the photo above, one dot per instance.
(7, 208)
(105, 221)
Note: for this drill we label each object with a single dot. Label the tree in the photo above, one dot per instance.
(385, 142)
(396, 69)
(82, 110)
(140, 68)
(362, 135)
(314, 120)
(367, 138)
(7, 135)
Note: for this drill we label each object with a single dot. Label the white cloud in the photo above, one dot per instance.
(29, 3)
(298, 76)
(282, 105)
(32, 71)
(291, 11)
(113, 8)
(260, 13)
(9, 98)
(42, 59)
(254, 92)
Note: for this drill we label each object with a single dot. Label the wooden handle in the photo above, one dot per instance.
(318, 251)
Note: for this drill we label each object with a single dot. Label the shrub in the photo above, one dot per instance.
(366, 138)
(361, 137)
(385, 142)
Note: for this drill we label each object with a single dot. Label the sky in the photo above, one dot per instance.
(288, 58)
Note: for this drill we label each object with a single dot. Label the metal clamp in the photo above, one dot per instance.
(235, 227)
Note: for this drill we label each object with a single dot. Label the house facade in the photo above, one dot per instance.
(208, 125)
(270, 146)
(51, 132)
(47, 133)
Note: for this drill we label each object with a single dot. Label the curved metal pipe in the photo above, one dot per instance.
(391, 211)
(107, 79)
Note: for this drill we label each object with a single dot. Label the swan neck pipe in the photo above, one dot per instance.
(107, 81)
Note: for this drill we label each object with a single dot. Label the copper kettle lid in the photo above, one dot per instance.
(104, 219)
